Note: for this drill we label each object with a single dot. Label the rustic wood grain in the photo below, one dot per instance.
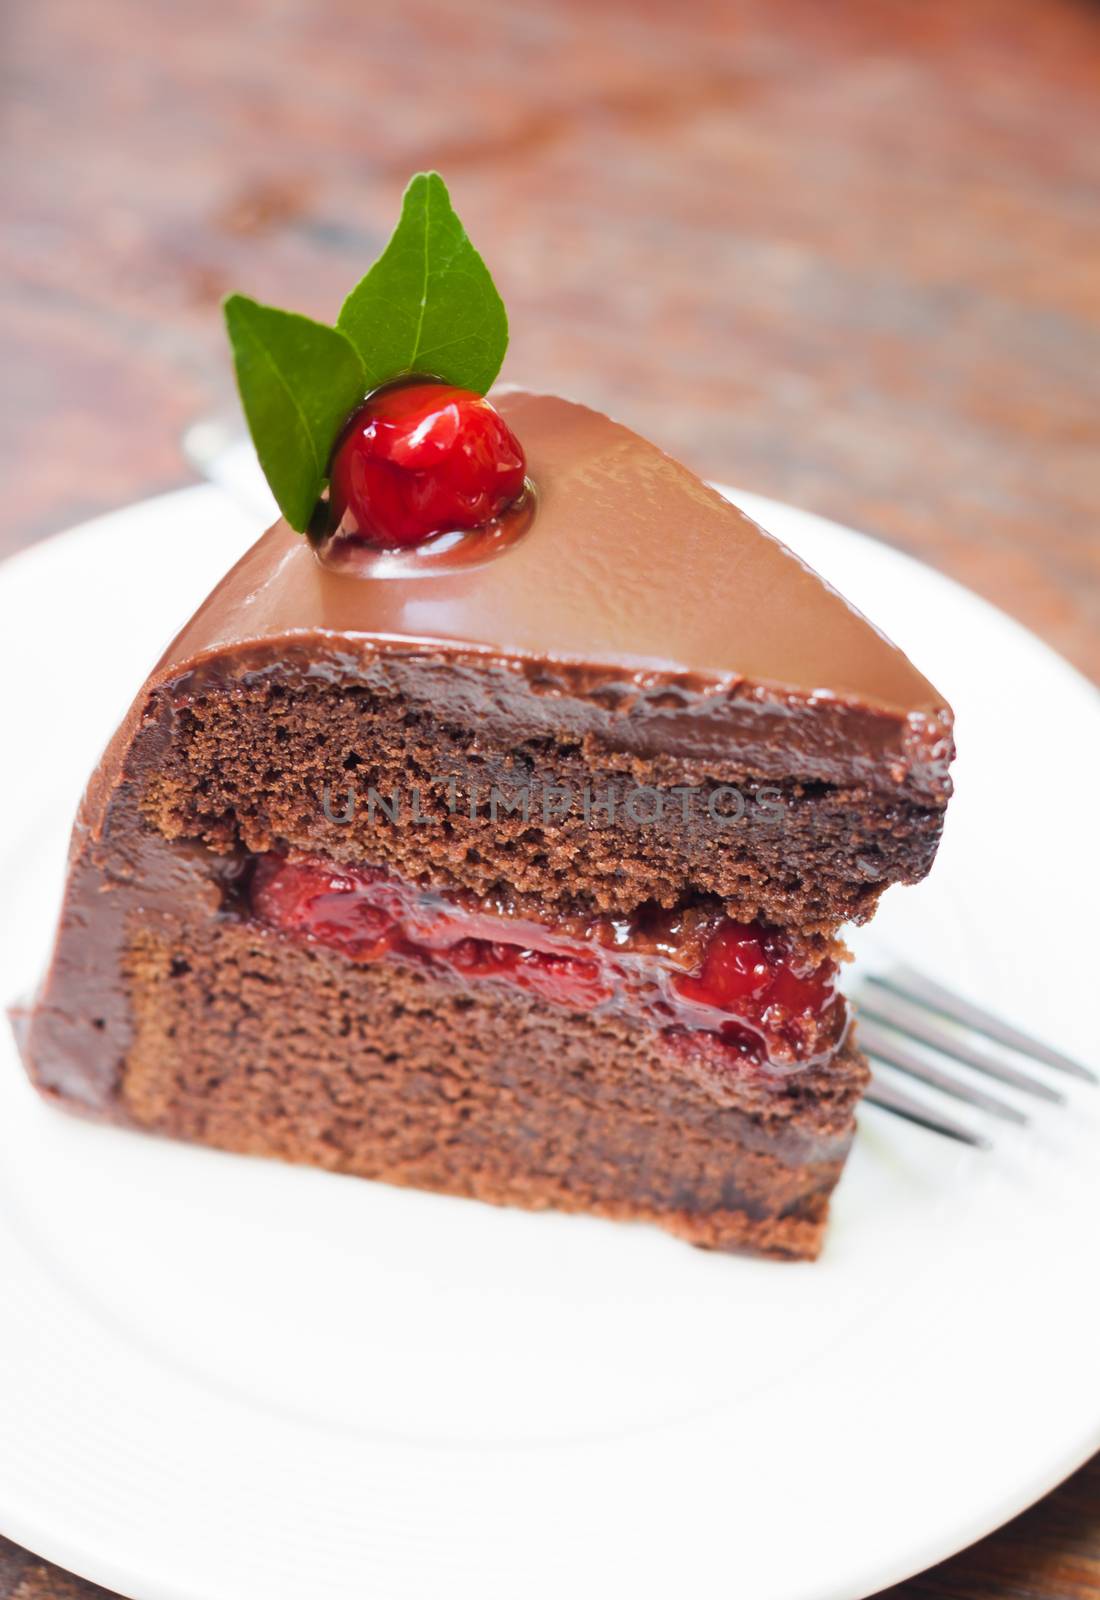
(842, 254)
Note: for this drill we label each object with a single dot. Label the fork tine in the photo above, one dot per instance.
(882, 1047)
(888, 1098)
(907, 1018)
(913, 985)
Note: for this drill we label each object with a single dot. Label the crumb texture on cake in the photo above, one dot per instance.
(264, 761)
(253, 1043)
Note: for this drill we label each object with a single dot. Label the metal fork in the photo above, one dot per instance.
(908, 1022)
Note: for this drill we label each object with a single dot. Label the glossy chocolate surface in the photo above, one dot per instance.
(643, 607)
(631, 562)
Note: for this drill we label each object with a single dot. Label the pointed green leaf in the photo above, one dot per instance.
(299, 380)
(428, 305)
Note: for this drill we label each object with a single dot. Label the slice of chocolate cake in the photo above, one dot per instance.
(504, 859)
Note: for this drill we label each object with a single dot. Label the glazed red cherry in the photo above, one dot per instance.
(422, 458)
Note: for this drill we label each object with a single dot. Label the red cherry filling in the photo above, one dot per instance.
(749, 989)
(746, 966)
(422, 458)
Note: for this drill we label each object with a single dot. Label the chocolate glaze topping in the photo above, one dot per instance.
(637, 589)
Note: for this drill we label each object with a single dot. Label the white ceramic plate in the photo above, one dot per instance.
(221, 1378)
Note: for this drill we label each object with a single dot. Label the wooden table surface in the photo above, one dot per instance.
(844, 254)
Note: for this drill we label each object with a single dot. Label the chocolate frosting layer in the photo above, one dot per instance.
(652, 613)
(631, 562)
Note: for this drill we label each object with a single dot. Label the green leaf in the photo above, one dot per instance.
(428, 305)
(299, 381)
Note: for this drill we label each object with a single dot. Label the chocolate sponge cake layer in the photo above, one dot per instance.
(247, 1041)
(187, 1018)
(314, 756)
